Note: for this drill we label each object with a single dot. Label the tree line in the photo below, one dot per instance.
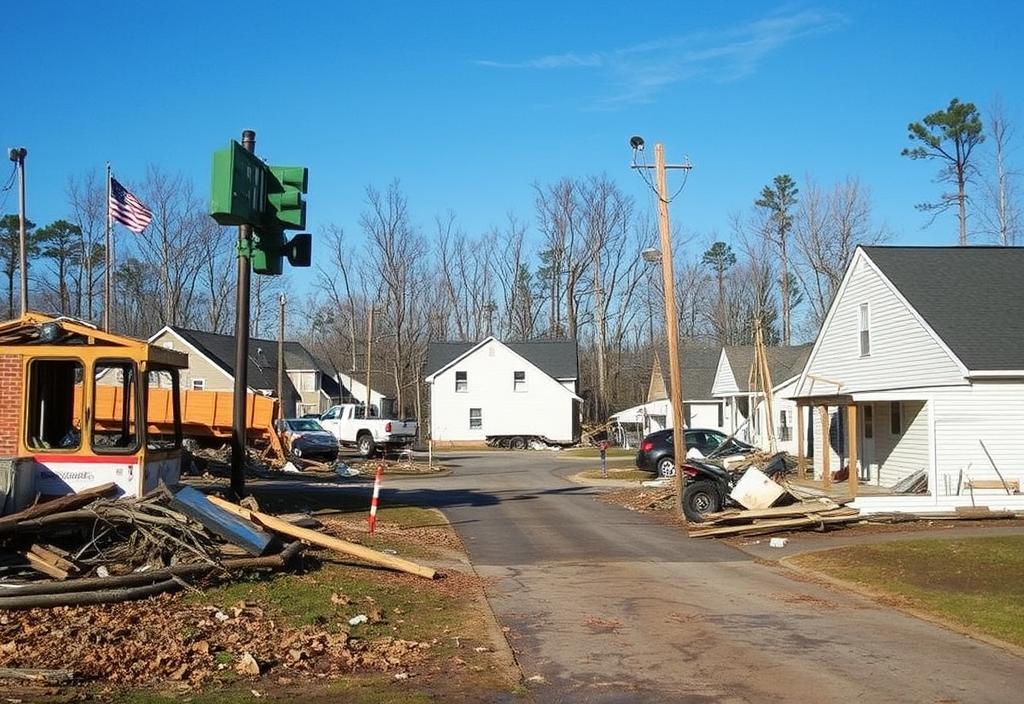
(572, 268)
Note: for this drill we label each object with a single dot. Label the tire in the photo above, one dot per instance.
(367, 447)
(517, 443)
(700, 498)
(666, 467)
(502, 443)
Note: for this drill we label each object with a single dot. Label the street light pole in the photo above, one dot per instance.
(18, 155)
(671, 318)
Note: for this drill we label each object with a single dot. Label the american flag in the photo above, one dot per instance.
(126, 209)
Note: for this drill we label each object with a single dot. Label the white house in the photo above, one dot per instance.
(926, 345)
(700, 408)
(495, 389)
(353, 390)
(732, 385)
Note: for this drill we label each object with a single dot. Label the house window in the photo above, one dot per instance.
(865, 331)
(869, 421)
(307, 381)
(519, 381)
(199, 384)
(785, 426)
(476, 419)
(461, 383)
(895, 418)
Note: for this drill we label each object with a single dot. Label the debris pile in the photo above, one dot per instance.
(90, 548)
(818, 514)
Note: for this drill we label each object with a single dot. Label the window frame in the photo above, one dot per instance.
(868, 411)
(479, 419)
(464, 382)
(785, 425)
(137, 400)
(519, 384)
(864, 329)
(201, 381)
(896, 418)
(177, 433)
(27, 438)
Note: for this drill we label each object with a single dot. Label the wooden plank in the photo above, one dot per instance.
(52, 558)
(1009, 486)
(34, 675)
(237, 531)
(775, 526)
(40, 565)
(325, 541)
(826, 459)
(851, 437)
(801, 438)
(65, 503)
(800, 509)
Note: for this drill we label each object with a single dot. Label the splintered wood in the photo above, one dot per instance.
(817, 514)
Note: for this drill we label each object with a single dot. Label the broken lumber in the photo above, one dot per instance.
(816, 520)
(325, 541)
(64, 503)
(237, 531)
(799, 509)
(48, 676)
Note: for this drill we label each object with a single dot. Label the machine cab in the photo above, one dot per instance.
(80, 407)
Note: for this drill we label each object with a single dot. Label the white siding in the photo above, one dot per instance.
(899, 456)
(991, 412)
(725, 380)
(545, 408)
(216, 379)
(903, 352)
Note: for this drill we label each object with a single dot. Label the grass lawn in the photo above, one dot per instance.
(975, 583)
(594, 453)
(627, 474)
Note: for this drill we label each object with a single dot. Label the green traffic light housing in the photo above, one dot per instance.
(238, 194)
(285, 188)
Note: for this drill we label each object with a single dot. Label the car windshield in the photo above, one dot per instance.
(303, 425)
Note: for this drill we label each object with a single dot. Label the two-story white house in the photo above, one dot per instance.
(515, 390)
(919, 367)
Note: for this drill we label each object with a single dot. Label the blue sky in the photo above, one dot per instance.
(468, 103)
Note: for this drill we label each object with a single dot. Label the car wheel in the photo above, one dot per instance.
(366, 445)
(666, 467)
(699, 499)
(503, 443)
(517, 443)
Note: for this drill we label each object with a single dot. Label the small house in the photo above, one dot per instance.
(700, 408)
(918, 371)
(211, 363)
(493, 389)
(748, 406)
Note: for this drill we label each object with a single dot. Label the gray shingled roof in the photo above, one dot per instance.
(972, 297)
(698, 366)
(262, 355)
(556, 358)
(784, 362)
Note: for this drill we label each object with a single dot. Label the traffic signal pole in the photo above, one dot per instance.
(241, 347)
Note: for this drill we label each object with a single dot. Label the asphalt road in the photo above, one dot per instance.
(604, 605)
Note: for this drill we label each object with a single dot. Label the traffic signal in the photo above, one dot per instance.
(285, 189)
(246, 191)
(239, 189)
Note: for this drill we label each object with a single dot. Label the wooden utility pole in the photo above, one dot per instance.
(280, 357)
(369, 352)
(671, 318)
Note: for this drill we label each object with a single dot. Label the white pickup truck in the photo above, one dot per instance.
(348, 423)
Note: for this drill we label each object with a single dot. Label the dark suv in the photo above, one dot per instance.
(657, 454)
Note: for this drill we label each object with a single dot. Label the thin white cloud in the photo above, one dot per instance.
(638, 73)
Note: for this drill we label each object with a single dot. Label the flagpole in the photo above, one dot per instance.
(107, 261)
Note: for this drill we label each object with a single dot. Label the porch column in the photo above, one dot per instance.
(801, 468)
(851, 437)
(826, 449)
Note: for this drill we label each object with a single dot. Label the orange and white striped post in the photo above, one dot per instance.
(376, 497)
